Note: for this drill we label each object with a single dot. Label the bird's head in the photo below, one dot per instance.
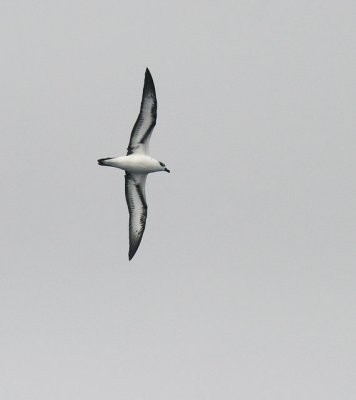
(163, 167)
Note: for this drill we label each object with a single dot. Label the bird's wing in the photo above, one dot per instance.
(136, 203)
(146, 120)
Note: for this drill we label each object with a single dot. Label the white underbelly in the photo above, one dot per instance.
(135, 163)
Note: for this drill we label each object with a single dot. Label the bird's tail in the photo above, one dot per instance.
(102, 161)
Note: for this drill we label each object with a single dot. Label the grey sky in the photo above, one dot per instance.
(243, 286)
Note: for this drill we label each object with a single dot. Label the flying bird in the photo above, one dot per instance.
(138, 164)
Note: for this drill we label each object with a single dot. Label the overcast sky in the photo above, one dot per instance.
(243, 286)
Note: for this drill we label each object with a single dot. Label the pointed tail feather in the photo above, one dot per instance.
(101, 161)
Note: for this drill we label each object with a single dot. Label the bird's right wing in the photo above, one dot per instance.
(146, 120)
(136, 203)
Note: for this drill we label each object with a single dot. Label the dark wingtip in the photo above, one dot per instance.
(131, 254)
(148, 76)
(133, 248)
(149, 86)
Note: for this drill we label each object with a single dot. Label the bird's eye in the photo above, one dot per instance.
(162, 165)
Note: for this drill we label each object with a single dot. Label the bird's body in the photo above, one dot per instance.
(134, 163)
(138, 164)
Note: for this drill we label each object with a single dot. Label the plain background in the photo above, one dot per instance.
(243, 285)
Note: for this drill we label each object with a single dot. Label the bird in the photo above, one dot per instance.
(138, 164)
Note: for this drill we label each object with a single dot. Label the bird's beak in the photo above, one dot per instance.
(167, 170)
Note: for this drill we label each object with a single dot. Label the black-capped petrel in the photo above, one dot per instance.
(138, 164)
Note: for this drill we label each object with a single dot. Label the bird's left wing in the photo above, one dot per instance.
(136, 203)
(146, 120)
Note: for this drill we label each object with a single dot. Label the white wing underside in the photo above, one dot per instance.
(136, 203)
(146, 120)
